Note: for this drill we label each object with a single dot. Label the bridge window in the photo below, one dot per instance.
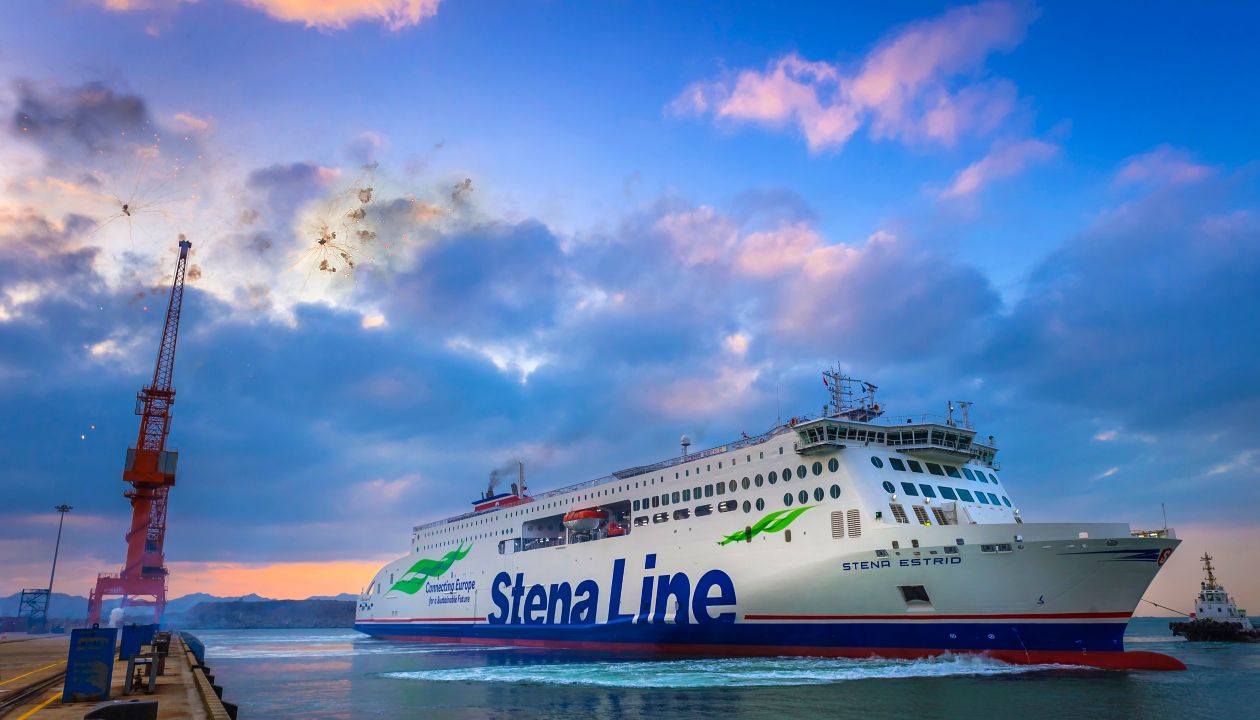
(983, 500)
(935, 469)
(897, 464)
(993, 478)
(1005, 501)
(967, 472)
(965, 495)
(889, 487)
(952, 471)
(915, 466)
(993, 499)
(927, 490)
(948, 493)
(909, 489)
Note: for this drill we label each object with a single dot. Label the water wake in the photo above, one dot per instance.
(706, 673)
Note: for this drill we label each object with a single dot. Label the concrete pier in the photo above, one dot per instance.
(32, 671)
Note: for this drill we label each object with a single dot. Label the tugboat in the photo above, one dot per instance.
(1216, 617)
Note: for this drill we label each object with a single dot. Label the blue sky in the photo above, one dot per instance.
(677, 214)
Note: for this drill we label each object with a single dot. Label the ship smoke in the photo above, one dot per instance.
(509, 470)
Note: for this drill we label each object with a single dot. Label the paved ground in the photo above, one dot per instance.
(25, 660)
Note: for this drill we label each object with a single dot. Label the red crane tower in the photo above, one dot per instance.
(150, 469)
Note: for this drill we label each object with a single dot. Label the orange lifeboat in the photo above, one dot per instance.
(616, 529)
(585, 520)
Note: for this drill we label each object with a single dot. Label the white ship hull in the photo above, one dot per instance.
(837, 575)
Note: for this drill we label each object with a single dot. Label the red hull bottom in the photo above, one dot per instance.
(1134, 660)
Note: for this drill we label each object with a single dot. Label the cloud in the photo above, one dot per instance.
(921, 85)
(323, 14)
(1107, 473)
(1165, 165)
(1003, 161)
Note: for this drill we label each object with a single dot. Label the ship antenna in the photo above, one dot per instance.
(1207, 566)
(1164, 510)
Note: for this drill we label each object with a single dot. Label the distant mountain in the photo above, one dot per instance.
(74, 607)
(233, 614)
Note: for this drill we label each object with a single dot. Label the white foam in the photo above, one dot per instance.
(753, 672)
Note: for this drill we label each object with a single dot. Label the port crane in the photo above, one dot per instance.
(150, 470)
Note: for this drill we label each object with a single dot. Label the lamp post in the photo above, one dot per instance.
(63, 509)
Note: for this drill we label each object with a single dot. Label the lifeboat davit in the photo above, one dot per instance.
(585, 520)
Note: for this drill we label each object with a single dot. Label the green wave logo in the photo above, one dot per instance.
(772, 523)
(415, 578)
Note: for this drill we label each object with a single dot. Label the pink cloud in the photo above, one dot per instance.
(323, 14)
(902, 88)
(1163, 165)
(1003, 161)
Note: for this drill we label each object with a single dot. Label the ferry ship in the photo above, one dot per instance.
(854, 533)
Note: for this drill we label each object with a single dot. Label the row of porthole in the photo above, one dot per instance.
(935, 469)
(803, 496)
(686, 495)
(947, 493)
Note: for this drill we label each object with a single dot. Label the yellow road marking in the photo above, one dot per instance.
(39, 707)
(19, 677)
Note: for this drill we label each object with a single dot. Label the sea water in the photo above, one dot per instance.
(343, 674)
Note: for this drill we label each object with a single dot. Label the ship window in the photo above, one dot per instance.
(980, 497)
(881, 552)
(952, 471)
(993, 478)
(835, 492)
(915, 466)
(899, 513)
(988, 548)
(761, 504)
(909, 489)
(967, 472)
(708, 491)
(636, 506)
(801, 472)
(1005, 501)
(913, 594)
(787, 498)
(682, 514)
(803, 496)
(889, 487)
(686, 494)
(686, 473)
(927, 490)
(759, 481)
(747, 506)
(1004, 547)
(965, 495)
(675, 497)
(951, 550)
(702, 510)
(877, 462)
(947, 493)
(745, 482)
(727, 505)
(664, 498)
(817, 468)
(660, 517)
(935, 469)
(895, 545)
(980, 477)
(818, 494)
(733, 485)
(897, 464)
(773, 477)
(641, 521)
(787, 474)
(721, 488)
(993, 499)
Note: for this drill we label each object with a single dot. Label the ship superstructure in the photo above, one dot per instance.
(853, 533)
